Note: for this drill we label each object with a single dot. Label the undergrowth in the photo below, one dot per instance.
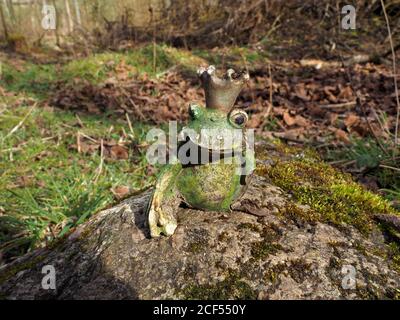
(46, 185)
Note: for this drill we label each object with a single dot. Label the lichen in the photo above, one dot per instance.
(294, 212)
(299, 269)
(12, 271)
(271, 275)
(223, 237)
(268, 245)
(249, 226)
(232, 287)
(198, 241)
(262, 249)
(393, 252)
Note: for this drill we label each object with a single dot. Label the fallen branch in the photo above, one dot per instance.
(339, 105)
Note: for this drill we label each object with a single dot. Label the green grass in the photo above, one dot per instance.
(367, 155)
(34, 79)
(235, 56)
(39, 80)
(46, 186)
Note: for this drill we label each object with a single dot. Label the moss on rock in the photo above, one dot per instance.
(11, 272)
(232, 287)
(331, 196)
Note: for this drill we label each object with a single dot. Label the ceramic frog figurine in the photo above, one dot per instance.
(214, 160)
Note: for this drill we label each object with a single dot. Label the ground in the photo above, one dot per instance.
(73, 140)
(264, 249)
(58, 117)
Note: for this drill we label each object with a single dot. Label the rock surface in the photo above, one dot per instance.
(261, 255)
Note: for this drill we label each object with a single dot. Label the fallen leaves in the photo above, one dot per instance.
(112, 150)
(144, 99)
(118, 152)
(289, 120)
(307, 99)
(342, 136)
(296, 120)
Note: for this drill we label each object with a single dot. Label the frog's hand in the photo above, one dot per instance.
(164, 203)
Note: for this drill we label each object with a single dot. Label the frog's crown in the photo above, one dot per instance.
(221, 93)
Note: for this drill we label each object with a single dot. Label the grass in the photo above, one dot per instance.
(367, 157)
(235, 56)
(47, 186)
(33, 79)
(39, 79)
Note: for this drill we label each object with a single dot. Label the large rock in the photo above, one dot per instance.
(211, 255)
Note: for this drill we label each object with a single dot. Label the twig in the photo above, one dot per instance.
(389, 167)
(100, 168)
(342, 163)
(79, 120)
(273, 27)
(21, 122)
(396, 137)
(11, 149)
(130, 124)
(137, 109)
(339, 105)
(88, 137)
(140, 113)
(154, 39)
(78, 141)
(383, 128)
(49, 138)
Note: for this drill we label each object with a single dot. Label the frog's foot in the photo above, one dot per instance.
(162, 220)
(164, 203)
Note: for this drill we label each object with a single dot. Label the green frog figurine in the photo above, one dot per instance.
(214, 160)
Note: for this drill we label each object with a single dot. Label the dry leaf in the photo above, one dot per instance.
(346, 94)
(342, 136)
(289, 120)
(301, 121)
(120, 191)
(351, 120)
(119, 152)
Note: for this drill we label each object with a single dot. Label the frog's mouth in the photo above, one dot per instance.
(215, 140)
(194, 153)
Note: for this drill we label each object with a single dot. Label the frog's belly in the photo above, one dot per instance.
(210, 186)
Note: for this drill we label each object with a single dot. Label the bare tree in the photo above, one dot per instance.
(77, 12)
(69, 17)
(3, 21)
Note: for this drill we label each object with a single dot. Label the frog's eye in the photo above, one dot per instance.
(238, 118)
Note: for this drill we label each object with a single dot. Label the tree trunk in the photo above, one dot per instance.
(77, 12)
(4, 23)
(69, 17)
